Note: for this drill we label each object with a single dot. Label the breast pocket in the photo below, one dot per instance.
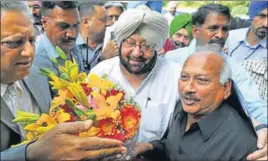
(153, 119)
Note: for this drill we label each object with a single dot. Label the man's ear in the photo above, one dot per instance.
(44, 22)
(84, 20)
(227, 89)
(195, 31)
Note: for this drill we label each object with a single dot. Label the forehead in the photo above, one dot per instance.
(113, 9)
(65, 15)
(214, 18)
(182, 31)
(100, 11)
(265, 11)
(15, 22)
(137, 37)
(209, 63)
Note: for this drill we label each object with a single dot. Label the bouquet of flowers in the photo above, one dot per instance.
(80, 98)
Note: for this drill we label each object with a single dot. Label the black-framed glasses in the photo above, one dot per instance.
(144, 46)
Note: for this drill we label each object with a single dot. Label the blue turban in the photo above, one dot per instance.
(154, 5)
(256, 7)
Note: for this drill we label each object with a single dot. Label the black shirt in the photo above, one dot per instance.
(221, 135)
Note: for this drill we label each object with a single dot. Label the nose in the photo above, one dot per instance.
(70, 32)
(137, 51)
(220, 34)
(189, 86)
(265, 21)
(28, 49)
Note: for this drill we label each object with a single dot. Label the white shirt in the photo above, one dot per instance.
(24, 100)
(157, 95)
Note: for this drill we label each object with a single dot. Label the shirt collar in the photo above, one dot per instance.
(207, 125)
(212, 121)
(5, 86)
(3, 89)
(80, 40)
(192, 46)
(49, 47)
(243, 38)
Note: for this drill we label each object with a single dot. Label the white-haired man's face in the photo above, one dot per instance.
(17, 46)
(199, 86)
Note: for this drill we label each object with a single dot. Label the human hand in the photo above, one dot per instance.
(62, 143)
(160, 52)
(141, 148)
(110, 50)
(262, 152)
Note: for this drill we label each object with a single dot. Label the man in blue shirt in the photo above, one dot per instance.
(250, 43)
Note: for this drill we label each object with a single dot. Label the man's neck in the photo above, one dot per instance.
(252, 38)
(87, 38)
(133, 79)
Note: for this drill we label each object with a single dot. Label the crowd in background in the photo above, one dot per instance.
(200, 78)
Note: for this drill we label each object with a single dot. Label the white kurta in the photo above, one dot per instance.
(157, 95)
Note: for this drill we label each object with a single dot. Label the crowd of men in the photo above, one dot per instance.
(202, 88)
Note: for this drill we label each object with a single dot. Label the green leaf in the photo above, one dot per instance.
(64, 76)
(61, 53)
(70, 103)
(46, 72)
(92, 117)
(79, 112)
(55, 61)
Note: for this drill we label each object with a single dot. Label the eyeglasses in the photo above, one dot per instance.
(144, 46)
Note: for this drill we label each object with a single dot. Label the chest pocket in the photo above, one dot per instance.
(153, 119)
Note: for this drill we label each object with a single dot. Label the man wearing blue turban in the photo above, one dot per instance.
(250, 43)
(153, 5)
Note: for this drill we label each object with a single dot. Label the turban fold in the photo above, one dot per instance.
(151, 25)
(183, 20)
(114, 4)
(172, 4)
(154, 5)
(256, 7)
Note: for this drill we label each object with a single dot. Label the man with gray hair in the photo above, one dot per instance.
(22, 88)
(114, 10)
(149, 79)
(205, 126)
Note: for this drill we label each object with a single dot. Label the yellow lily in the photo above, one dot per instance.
(58, 83)
(97, 82)
(44, 124)
(78, 92)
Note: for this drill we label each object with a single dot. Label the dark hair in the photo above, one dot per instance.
(87, 8)
(200, 16)
(49, 5)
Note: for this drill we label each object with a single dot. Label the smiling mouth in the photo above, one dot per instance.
(189, 101)
(24, 64)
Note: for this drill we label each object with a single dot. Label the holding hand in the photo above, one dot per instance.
(62, 143)
(111, 50)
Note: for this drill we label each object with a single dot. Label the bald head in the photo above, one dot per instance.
(204, 83)
(207, 61)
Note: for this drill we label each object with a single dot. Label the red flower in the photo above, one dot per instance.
(67, 109)
(107, 127)
(114, 92)
(86, 89)
(130, 120)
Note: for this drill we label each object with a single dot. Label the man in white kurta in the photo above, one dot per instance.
(157, 90)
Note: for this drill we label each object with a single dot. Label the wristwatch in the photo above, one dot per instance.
(261, 126)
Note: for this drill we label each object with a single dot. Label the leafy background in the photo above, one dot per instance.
(236, 7)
